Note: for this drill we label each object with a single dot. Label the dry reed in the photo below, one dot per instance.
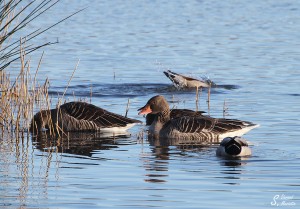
(20, 92)
(19, 96)
(225, 109)
(127, 107)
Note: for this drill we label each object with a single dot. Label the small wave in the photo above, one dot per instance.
(227, 87)
(294, 95)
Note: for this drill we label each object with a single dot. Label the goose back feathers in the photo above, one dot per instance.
(174, 113)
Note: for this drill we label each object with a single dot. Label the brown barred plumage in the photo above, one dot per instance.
(80, 116)
(174, 113)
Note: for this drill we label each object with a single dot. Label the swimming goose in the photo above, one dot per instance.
(181, 81)
(174, 113)
(202, 128)
(233, 147)
(81, 116)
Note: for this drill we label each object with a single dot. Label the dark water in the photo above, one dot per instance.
(250, 49)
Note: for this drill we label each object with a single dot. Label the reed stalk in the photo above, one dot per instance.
(198, 95)
(70, 79)
(208, 97)
(127, 107)
(91, 93)
(225, 109)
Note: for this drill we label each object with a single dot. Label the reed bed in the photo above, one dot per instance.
(19, 97)
(20, 92)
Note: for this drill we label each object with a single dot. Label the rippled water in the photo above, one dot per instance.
(250, 49)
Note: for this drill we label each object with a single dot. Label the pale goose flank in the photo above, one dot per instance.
(233, 147)
(202, 128)
(81, 116)
(181, 81)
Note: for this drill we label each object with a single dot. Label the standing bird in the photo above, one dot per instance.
(81, 116)
(181, 81)
(233, 147)
(202, 128)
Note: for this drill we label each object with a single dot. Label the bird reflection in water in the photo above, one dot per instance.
(157, 167)
(232, 169)
(157, 164)
(79, 143)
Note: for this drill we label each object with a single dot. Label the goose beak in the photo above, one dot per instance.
(145, 110)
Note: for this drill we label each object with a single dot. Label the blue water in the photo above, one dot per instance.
(249, 48)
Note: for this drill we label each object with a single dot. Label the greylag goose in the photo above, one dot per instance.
(233, 147)
(174, 113)
(202, 128)
(81, 116)
(181, 81)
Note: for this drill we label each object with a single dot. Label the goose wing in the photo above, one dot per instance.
(223, 125)
(172, 74)
(91, 113)
(175, 113)
(207, 124)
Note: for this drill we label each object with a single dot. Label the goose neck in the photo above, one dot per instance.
(164, 116)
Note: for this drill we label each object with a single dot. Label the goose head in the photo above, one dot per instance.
(155, 105)
(42, 121)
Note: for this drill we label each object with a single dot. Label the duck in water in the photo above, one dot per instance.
(233, 147)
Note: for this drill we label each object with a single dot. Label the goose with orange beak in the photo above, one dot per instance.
(203, 129)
